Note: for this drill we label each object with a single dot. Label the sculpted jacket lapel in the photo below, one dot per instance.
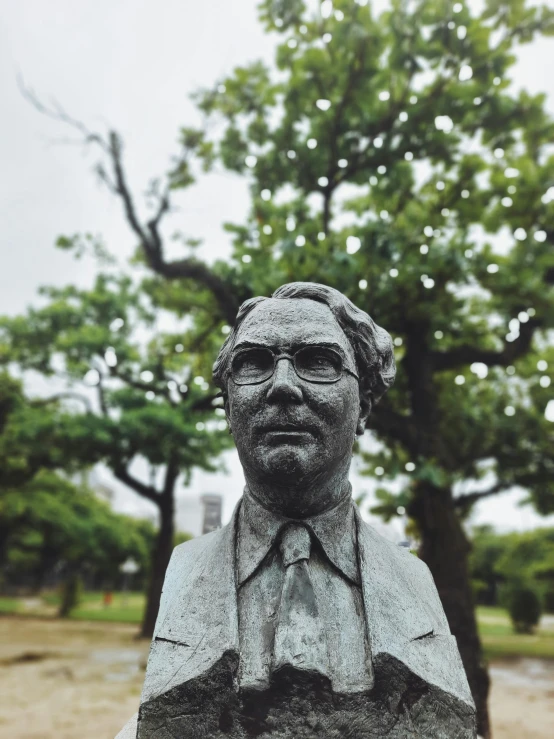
(198, 619)
(405, 618)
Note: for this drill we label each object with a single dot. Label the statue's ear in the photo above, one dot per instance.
(227, 411)
(365, 410)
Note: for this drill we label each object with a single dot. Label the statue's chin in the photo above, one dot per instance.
(285, 463)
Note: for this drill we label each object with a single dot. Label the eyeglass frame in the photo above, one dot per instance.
(292, 359)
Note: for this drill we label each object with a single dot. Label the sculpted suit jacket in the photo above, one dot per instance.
(197, 634)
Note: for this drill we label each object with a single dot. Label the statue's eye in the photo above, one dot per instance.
(252, 365)
(318, 363)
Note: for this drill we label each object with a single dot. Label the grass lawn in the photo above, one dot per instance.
(124, 608)
(9, 605)
(495, 628)
(499, 639)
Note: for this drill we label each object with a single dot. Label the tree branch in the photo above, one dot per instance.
(144, 386)
(149, 236)
(147, 491)
(58, 113)
(467, 353)
(102, 398)
(466, 501)
(388, 422)
(206, 403)
(115, 149)
(152, 245)
(61, 396)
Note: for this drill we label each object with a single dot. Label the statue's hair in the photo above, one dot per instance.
(372, 345)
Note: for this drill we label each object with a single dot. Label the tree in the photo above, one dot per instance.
(53, 525)
(132, 393)
(528, 558)
(487, 547)
(374, 156)
(524, 606)
(512, 558)
(389, 158)
(27, 444)
(27, 448)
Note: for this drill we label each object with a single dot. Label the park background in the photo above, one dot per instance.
(131, 67)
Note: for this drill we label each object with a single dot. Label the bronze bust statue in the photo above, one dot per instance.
(297, 619)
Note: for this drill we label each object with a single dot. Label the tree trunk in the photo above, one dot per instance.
(70, 592)
(445, 548)
(160, 560)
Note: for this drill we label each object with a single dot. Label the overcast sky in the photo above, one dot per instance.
(130, 65)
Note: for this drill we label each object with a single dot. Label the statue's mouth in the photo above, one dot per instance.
(287, 432)
(288, 427)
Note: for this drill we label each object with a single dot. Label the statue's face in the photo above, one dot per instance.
(288, 430)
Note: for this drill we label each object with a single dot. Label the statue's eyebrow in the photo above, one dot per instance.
(294, 347)
(251, 345)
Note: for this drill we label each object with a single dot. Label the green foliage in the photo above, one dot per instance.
(86, 244)
(130, 392)
(500, 641)
(389, 157)
(524, 606)
(138, 391)
(487, 548)
(29, 438)
(181, 537)
(51, 524)
(500, 560)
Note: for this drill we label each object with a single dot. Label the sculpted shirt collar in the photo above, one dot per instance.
(334, 529)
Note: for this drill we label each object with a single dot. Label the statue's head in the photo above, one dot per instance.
(299, 373)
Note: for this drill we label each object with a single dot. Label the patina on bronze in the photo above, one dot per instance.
(297, 619)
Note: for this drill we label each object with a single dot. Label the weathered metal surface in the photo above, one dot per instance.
(347, 639)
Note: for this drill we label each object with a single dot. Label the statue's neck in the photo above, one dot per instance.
(296, 501)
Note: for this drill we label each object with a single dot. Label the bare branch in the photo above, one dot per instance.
(115, 153)
(163, 208)
(148, 235)
(56, 112)
(146, 491)
(104, 177)
(152, 245)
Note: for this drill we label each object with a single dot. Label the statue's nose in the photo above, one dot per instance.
(285, 382)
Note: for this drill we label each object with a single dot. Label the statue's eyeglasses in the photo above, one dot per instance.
(312, 363)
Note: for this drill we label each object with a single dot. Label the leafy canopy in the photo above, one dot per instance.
(132, 390)
(389, 156)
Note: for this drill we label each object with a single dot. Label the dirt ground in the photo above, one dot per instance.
(68, 680)
(75, 680)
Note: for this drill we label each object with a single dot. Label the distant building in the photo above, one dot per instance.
(212, 503)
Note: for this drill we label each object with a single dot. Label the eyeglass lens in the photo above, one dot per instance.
(312, 363)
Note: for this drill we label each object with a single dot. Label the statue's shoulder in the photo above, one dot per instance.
(187, 562)
(194, 548)
(390, 552)
(398, 563)
(193, 551)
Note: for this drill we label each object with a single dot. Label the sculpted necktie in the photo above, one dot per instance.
(299, 638)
